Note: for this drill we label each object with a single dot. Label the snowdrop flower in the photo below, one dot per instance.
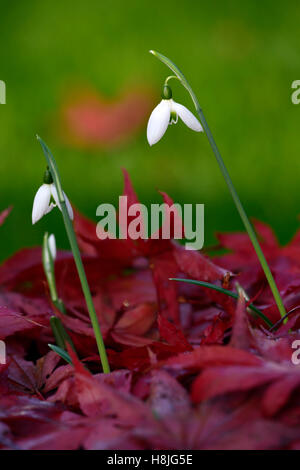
(46, 198)
(167, 112)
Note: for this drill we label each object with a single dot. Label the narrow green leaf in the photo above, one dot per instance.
(61, 352)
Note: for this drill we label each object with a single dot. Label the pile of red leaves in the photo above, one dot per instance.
(191, 367)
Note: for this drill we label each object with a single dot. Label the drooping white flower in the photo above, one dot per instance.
(167, 112)
(42, 203)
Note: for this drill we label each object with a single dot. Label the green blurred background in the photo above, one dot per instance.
(240, 58)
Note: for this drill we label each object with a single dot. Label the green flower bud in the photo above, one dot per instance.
(48, 177)
(166, 92)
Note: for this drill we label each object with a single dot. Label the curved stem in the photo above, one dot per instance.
(284, 319)
(170, 78)
(227, 292)
(77, 258)
(229, 183)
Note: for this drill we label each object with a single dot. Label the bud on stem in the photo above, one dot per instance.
(166, 92)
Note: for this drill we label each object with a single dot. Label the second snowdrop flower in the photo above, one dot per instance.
(46, 198)
(167, 112)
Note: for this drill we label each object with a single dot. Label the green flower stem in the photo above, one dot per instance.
(227, 292)
(77, 258)
(60, 334)
(59, 338)
(227, 178)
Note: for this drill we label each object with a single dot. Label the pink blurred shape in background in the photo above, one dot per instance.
(88, 120)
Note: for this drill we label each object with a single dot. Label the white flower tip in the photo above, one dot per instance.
(69, 207)
(52, 246)
(150, 141)
(199, 128)
(34, 218)
(152, 51)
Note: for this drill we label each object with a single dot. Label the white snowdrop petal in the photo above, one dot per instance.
(158, 121)
(52, 246)
(41, 202)
(69, 207)
(187, 117)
